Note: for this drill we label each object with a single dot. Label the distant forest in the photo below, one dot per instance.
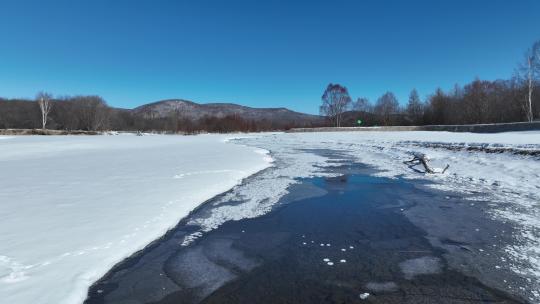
(479, 102)
(91, 113)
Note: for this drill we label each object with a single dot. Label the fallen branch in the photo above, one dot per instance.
(422, 159)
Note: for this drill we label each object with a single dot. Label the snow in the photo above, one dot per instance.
(364, 295)
(74, 206)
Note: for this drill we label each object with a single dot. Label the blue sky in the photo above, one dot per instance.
(257, 53)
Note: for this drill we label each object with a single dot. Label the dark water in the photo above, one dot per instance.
(278, 258)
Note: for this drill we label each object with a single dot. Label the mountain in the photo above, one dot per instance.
(194, 111)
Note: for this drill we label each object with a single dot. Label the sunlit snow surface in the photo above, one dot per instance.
(73, 206)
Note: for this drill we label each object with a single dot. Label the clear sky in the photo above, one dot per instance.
(257, 53)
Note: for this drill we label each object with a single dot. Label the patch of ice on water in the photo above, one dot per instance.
(382, 286)
(190, 238)
(420, 266)
(258, 196)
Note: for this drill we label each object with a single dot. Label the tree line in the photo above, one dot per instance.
(481, 101)
(92, 113)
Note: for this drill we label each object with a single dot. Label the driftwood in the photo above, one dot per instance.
(422, 159)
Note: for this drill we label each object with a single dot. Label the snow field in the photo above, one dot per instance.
(74, 206)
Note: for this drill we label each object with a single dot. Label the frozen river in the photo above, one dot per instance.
(73, 207)
(335, 238)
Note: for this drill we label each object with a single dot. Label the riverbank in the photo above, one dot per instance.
(329, 240)
(476, 128)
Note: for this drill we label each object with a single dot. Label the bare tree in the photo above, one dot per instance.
(438, 109)
(92, 112)
(415, 109)
(476, 101)
(386, 106)
(530, 71)
(335, 101)
(45, 105)
(362, 104)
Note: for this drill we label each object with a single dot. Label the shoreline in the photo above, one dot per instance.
(474, 128)
(183, 227)
(183, 222)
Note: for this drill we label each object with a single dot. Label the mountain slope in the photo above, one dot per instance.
(196, 111)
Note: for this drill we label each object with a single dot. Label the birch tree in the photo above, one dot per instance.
(45, 105)
(531, 71)
(335, 100)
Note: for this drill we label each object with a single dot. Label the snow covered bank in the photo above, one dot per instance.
(72, 207)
